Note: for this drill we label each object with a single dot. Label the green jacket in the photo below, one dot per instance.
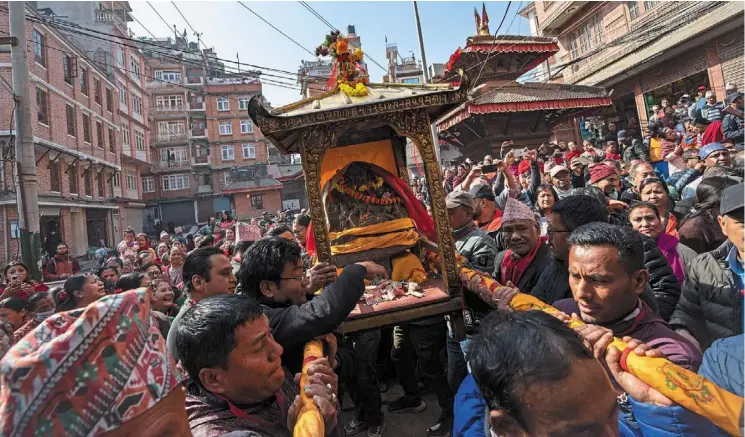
(477, 247)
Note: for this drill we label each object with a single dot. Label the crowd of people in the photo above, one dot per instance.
(203, 334)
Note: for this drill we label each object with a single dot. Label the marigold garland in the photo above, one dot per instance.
(359, 90)
(375, 200)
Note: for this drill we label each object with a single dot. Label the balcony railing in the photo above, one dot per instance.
(196, 106)
(204, 189)
(108, 16)
(199, 133)
(171, 137)
(161, 166)
(201, 160)
(194, 80)
(163, 84)
(160, 110)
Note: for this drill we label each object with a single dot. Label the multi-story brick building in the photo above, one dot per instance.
(200, 130)
(643, 50)
(124, 65)
(75, 125)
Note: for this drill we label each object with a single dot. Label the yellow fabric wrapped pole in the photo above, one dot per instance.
(682, 386)
(309, 420)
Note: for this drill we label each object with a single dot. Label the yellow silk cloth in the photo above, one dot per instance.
(682, 386)
(655, 150)
(400, 232)
(407, 267)
(309, 420)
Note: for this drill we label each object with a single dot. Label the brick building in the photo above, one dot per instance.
(200, 130)
(643, 50)
(75, 125)
(124, 65)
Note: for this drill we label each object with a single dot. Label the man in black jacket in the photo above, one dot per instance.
(710, 305)
(272, 273)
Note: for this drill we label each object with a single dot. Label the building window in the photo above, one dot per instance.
(137, 104)
(42, 106)
(223, 104)
(120, 56)
(204, 179)
(411, 80)
(169, 102)
(40, 49)
(131, 180)
(84, 81)
(597, 30)
(226, 127)
(54, 184)
(169, 129)
(247, 127)
(174, 154)
(125, 134)
(72, 178)
(649, 5)
(97, 90)
(99, 180)
(134, 68)
(227, 152)
(139, 141)
(243, 103)
(99, 135)
(226, 178)
(87, 183)
(112, 139)
(116, 180)
(173, 182)
(109, 100)
(67, 68)
(86, 128)
(249, 151)
(634, 10)
(148, 184)
(168, 76)
(257, 201)
(70, 120)
(122, 94)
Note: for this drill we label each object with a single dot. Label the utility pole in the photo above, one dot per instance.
(421, 43)
(433, 127)
(27, 195)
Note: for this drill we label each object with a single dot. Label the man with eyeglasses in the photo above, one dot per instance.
(272, 273)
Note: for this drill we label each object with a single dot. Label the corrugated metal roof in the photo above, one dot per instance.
(252, 185)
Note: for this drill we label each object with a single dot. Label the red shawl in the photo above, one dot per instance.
(713, 133)
(424, 223)
(513, 268)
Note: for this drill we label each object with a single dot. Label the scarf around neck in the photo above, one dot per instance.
(669, 247)
(513, 268)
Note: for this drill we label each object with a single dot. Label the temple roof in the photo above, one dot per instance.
(506, 56)
(530, 96)
(280, 125)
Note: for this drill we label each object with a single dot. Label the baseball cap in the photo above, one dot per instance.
(701, 88)
(709, 149)
(458, 198)
(556, 169)
(733, 198)
(481, 191)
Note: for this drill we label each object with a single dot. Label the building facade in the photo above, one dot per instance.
(402, 69)
(77, 142)
(643, 50)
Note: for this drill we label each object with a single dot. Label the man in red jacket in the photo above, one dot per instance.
(62, 265)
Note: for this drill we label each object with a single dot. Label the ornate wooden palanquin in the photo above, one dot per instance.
(333, 129)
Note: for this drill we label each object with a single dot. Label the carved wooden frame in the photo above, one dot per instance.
(414, 124)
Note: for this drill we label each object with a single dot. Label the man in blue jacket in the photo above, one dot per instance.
(538, 378)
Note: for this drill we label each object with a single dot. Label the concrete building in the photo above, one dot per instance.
(77, 141)
(402, 69)
(643, 50)
(200, 132)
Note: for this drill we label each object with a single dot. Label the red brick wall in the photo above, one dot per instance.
(272, 202)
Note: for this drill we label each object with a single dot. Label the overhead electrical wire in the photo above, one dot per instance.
(494, 41)
(275, 28)
(197, 34)
(169, 26)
